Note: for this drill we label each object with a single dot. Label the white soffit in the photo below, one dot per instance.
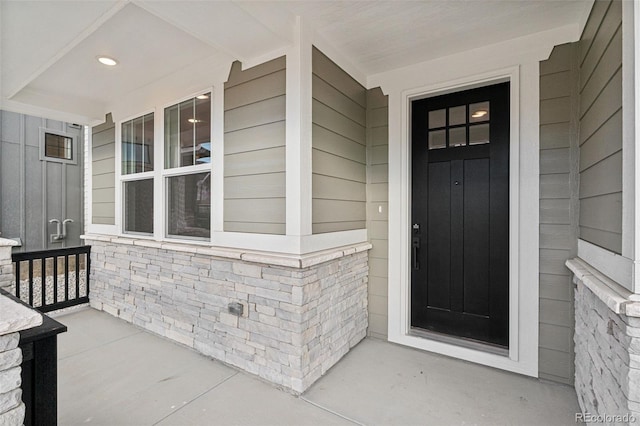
(146, 47)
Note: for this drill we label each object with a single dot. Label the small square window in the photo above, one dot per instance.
(187, 132)
(58, 146)
(137, 145)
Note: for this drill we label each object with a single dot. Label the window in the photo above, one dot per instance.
(137, 145)
(187, 139)
(461, 125)
(187, 132)
(58, 146)
(137, 139)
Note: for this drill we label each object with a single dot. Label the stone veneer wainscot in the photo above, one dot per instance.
(301, 313)
(607, 346)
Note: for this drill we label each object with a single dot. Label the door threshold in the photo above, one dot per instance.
(459, 341)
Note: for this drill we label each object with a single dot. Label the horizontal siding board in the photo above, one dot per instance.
(255, 162)
(329, 95)
(556, 364)
(608, 27)
(98, 220)
(323, 228)
(555, 135)
(556, 287)
(107, 165)
(106, 180)
(555, 211)
(379, 155)
(555, 85)
(326, 69)
(378, 173)
(603, 177)
(376, 98)
(379, 192)
(255, 228)
(104, 195)
(378, 211)
(554, 236)
(606, 141)
(556, 312)
(560, 60)
(266, 87)
(331, 142)
(106, 209)
(555, 186)
(106, 137)
(590, 30)
(378, 285)
(266, 136)
(331, 165)
(267, 210)
(327, 187)
(554, 161)
(330, 119)
(602, 212)
(270, 185)
(104, 152)
(378, 326)
(256, 114)
(324, 211)
(379, 117)
(552, 261)
(239, 76)
(608, 102)
(379, 136)
(380, 249)
(556, 110)
(610, 64)
(609, 240)
(556, 337)
(379, 268)
(378, 229)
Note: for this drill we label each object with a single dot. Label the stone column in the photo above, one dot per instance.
(6, 266)
(14, 317)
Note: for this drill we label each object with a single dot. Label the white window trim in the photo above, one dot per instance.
(121, 179)
(74, 146)
(523, 249)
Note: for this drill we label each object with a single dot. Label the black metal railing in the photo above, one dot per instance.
(53, 279)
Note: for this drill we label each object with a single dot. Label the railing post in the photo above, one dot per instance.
(6, 264)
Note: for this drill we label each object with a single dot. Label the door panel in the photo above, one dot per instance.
(460, 214)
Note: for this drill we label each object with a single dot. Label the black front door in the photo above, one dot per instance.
(460, 214)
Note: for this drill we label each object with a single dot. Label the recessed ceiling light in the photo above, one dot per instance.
(202, 97)
(105, 60)
(479, 113)
(194, 120)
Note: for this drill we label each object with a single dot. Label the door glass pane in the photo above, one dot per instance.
(479, 134)
(458, 136)
(479, 112)
(458, 115)
(437, 118)
(437, 139)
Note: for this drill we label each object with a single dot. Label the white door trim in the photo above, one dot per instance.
(523, 210)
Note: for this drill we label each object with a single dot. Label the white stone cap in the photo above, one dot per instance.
(254, 256)
(16, 317)
(4, 242)
(612, 294)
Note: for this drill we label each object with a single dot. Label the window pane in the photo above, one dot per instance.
(437, 139)
(479, 112)
(458, 115)
(58, 146)
(137, 145)
(188, 132)
(437, 118)
(138, 206)
(479, 134)
(190, 205)
(458, 136)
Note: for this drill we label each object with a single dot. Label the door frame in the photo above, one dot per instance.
(523, 245)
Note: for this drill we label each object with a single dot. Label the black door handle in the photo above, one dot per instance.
(415, 246)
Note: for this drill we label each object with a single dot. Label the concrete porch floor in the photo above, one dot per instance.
(112, 373)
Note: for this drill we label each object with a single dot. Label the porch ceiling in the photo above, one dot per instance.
(49, 48)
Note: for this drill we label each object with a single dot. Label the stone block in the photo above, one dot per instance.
(10, 359)
(10, 380)
(9, 341)
(13, 417)
(10, 400)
